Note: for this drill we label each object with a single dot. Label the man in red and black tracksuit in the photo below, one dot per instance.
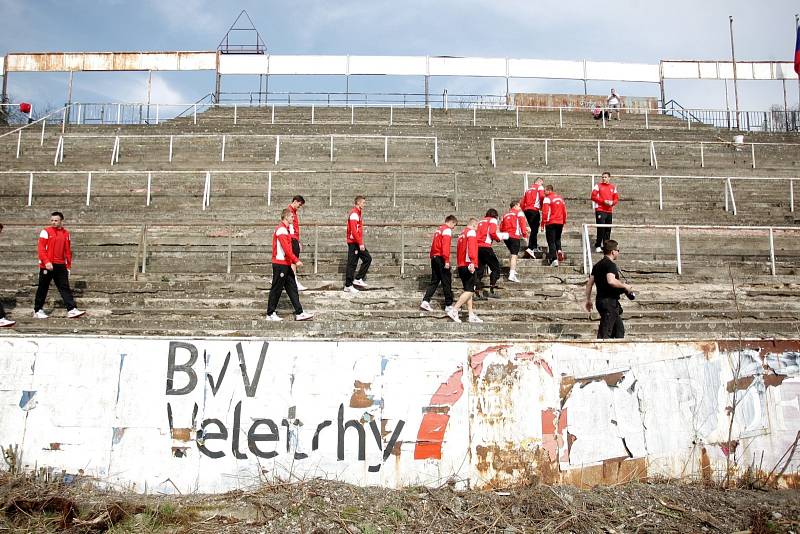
(604, 198)
(55, 262)
(554, 217)
(294, 231)
(440, 265)
(513, 223)
(488, 232)
(467, 260)
(531, 205)
(283, 263)
(355, 248)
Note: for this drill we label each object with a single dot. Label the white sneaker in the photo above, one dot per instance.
(6, 322)
(350, 289)
(360, 283)
(273, 317)
(425, 305)
(512, 277)
(530, 252)
(40, 315)
(598, 249)
(447, 309)
(74, 313)
(300, 287)
(453, 314)
(305, 316)
(554, 263)
(474, 318)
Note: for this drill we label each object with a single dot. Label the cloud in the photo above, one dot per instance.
(195, 16)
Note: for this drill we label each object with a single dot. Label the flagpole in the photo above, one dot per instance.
(796, 26)
(735, 81)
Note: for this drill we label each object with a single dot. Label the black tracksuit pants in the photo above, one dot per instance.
(602, 233)
(353, 255)
(60, 275)
(283, 278)
(553, 234)
(440, 275)
(610, 311)
(487, 258)
(534, 217)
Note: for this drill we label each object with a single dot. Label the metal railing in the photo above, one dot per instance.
(727, 183)
(736, 231)
(223, 139)
(43, 121)
(545, 116)
(151, 176)
(650, 145)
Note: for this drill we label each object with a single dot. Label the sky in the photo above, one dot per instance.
(636, 31)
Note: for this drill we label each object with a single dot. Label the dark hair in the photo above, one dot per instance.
(609, 245)
(491, 212)
(513, 203)
(539, 179)
(57, 214)
(359, 197)
(1, 226)
(606, 172)
(285, 212)
(451, 218)
(299, 198)
(549, 187)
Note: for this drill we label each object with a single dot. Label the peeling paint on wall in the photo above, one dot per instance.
(217, 414)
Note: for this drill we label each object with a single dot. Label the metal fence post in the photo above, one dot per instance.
(269, 188)
(560, 117)
(157, 114)
(517, 115)
(771, 252)
(331, 148)
(436, 151)
(277, 149)
(41, 141)
(19, 142)
(391, 115)
(222, 153)
(753, 153)
(170, 149)
(660, 193)
(475, 115)
(30, 189)
(545, 152)
(791, 195)
(394, 189)
(194, 114)
(455, 188)
(230, 249)
(702, 157)
(149, 187)
(494, 161)
(144, 249)
(88, 188)
(678, 249)
(402, 249)
(525, 183)
(733, 200)
(386, 149)
(646, 120)
(235, 114)
(312, 113)
(316, 248)
(598, 152)
(272, 119)
(584, 248)
(119, 113)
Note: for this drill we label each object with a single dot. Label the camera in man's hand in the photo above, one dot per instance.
(631, 295)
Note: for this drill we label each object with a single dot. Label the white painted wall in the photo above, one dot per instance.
(99, 406)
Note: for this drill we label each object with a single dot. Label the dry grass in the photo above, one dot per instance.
(319, 506)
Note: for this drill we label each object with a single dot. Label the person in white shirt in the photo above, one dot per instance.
(614, 102)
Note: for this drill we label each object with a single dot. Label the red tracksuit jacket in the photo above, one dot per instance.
(602, 192)
(441, 243)
(514, 224)
(532, 198)
(54, 247)
(355, 227)
(294, 228)
(467, 248)
(282, 246)
(487, 232)
(554, 211)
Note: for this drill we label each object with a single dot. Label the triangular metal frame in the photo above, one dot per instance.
(225, 46)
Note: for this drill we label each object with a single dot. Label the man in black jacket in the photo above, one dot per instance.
(605, 275)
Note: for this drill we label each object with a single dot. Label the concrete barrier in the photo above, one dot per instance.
(215, 414)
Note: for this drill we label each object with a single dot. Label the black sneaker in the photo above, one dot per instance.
(479, 296)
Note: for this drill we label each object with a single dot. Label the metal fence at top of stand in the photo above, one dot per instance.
(440, 100)
(775, 120)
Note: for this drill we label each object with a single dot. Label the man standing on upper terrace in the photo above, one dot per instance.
(614, 102)
(284, 263)
(55, 262)
(356, 250)
(294, 231)
(604, 198)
